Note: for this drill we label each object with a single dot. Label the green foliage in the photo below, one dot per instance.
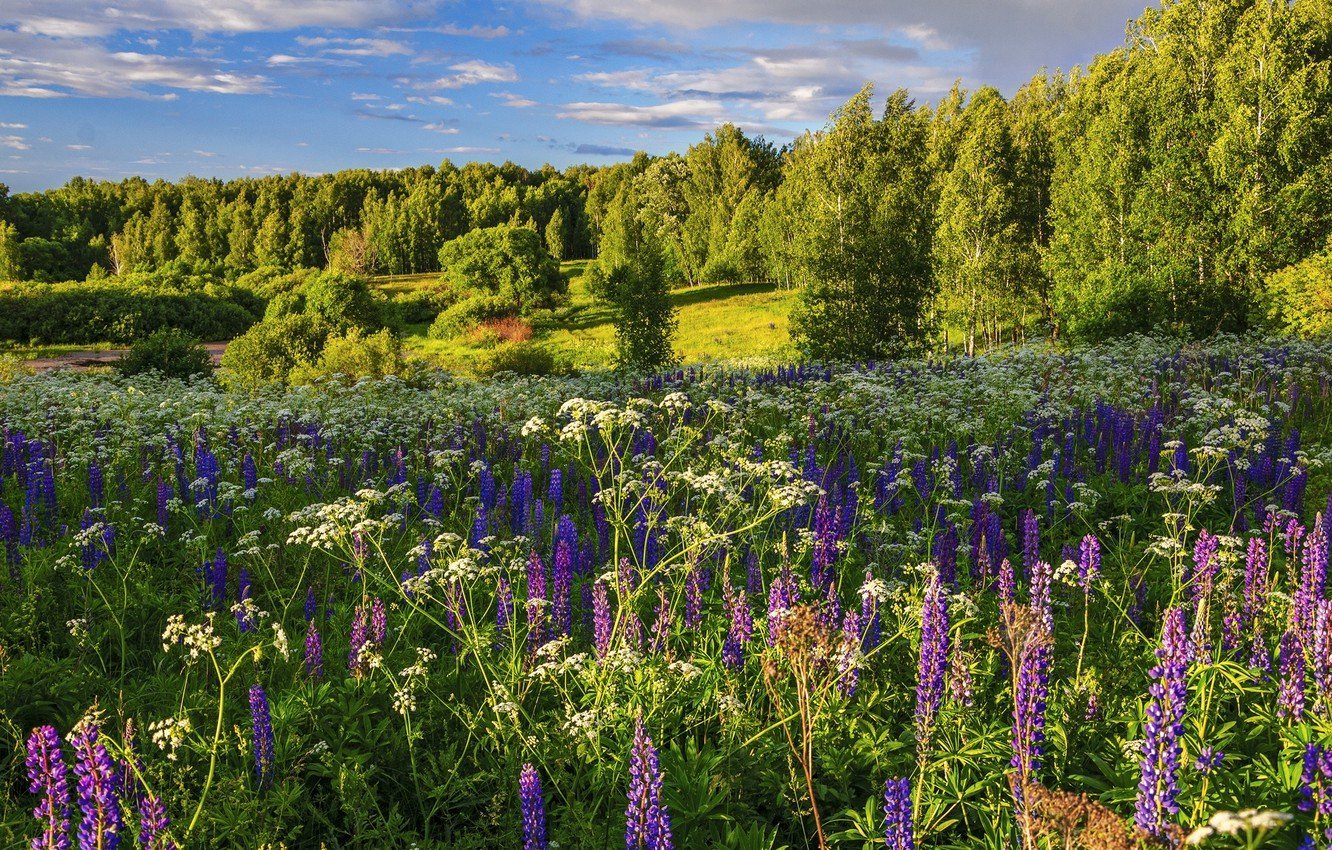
(465, 315)
(508, 263)
(340, 302)
(352, 355)
(1298, 299)
(269, 351)
(645, 321)
(522, 358)
(171, 352)
(858, 205)
(123, 310)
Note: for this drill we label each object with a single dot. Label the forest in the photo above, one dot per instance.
(1181, 182)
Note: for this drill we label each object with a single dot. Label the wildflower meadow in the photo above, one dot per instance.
(1033, 599)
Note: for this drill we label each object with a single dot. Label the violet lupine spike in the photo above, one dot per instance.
(262, 736)
(783, 595)
(933, 658)
(314, 652)
(1031, 540)
(1041, 574)
(1089, 562)
(537, 602)
(154, 823)
(848, 655)
(647, 821)
(48, 777)
(357, 643)
(1203, 581)
(601, 619)
(1007, 583)
(534, 809)
(378, 622)
(1313, 580)
(898, 830)
(566, 540)
(1162, 749)
(99, 790)
(693, 613)
(1255, 602)
(661, 623)
(1291, 664)
(311, 608)
(1029, 698)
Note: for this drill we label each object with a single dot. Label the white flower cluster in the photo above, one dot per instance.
(1245, 821)
(169, 734)
(197, 638)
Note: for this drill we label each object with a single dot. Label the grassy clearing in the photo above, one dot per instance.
(733, 322)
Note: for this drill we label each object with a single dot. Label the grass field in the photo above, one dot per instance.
(733, 322)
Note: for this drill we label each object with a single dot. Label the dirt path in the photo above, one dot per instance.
(86, 359)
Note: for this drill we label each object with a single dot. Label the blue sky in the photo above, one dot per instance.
(227, 88)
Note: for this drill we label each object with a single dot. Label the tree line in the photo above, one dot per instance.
(1181, 180)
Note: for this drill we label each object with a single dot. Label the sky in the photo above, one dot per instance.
(230, 88)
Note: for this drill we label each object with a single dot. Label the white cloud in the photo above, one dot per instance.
(379, 150)
(11, 125)
(446, 129)
(515, 101)
(471, 72)
(432, 100)
(14, 143)
(34, 66)
(78, 147)
(83, 19)
(366, 97)
(376, 47)
(680, 114)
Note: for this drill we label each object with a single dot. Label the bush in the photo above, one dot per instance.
(169, 351)
(354, 355)
(466, 315)
(284, 304)
(83, 312)
(418, 306)
(269, 351)
(1298, 298)
(342, 302)
(511, 263)
(523, 358)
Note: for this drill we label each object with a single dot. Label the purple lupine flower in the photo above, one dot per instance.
(960, 690)
(825, 545)
(1158, 785)
(1041, 574)
(1205, 564)
(1313, 581)
(1029, 697)
(154, 823)
(262, 728)
(1291, 663)
(1255, 601)
(1007, 583)
(534, 809)
(601, 618)
(378, 622)
(1313, 754)
(9, 536)
(1031, 540)
(647, 821)
(47, 776)
(99, 789)
(314, 652)
(566, 541)
(753, 575)
(95, 494)
(848, 655)
(536, 601)
(310, 607)
(783, 595)
(1208, 760)
(357, 643)
(933, 658)
(661, 623)
(1089, 562)
(899, 833)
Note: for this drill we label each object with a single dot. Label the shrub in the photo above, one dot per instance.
(353, 355)
(1298, 298)
(467, 314)
(523, 358)
(169, 351)
(418, 306)
(511, 263)
(269, 351)
(284, 304)
(341, 302)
